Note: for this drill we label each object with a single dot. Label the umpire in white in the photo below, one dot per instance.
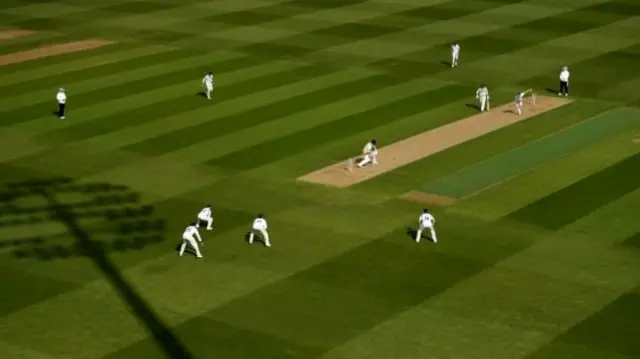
(61, 97)
(564, 81)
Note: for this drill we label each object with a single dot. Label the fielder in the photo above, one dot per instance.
(482, 95)
(189, 236)
(520, 99)
(564, 81)
(455, 54)
(205, 216)
(260, 226)
(426, 221)
(207, 81)
(370, 154)
(61, 98)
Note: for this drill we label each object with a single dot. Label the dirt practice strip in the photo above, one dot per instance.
(10, 34)
(52, 50)
(428, 198)
(427, 143)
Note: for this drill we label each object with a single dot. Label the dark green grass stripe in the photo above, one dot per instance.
(21, 289)
(68, 78)
(633, 241)
(494, 170)
(234, 123)
(603, 72)
(110, 93)
(145, 114)
(140, 7)
(29, 43)
(501, 41)
(26, 65)
(571, 203)
(278, 11)
(343, 297)
(611, 332)
(303, 44)
(333, 131)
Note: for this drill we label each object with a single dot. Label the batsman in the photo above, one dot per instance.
(370, 154)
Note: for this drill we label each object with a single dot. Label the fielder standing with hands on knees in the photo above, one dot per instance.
(61, 98)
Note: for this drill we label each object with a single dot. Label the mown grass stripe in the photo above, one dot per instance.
(305, 140)
(571, 203)
(33, 73)
(67, 78)
(271, 112)
(120, 85)
(207, 150)
(178, 122)
(266, 76)
(496, 169)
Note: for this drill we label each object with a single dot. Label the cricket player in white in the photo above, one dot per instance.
(482, 95)
(370, 154)
(260, 226)
(519, 100)
(426, 221)
(455, 54)
(564, 81)
(205, 216)
(61, 98)
(189, 236)
(207, 81)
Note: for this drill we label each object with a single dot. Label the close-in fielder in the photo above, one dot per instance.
(520, 99)
(455, 54)
(426, 221)
(370, 154)
(207, 81)
(260, 226)
(205, 216)
(482, 95)
(189, 236)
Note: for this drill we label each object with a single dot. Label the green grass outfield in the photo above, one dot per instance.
(539, 259)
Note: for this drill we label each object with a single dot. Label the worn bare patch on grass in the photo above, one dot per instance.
(52, 50)
(428, 198)
(414, 148)
(11, 34)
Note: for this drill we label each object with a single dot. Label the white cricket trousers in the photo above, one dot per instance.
(194, 244)
(373, 157)
(454, 60)
(208, 89)
(483, 103)
(209, 221)
(519, 107)
(264, 234)
(422, 228)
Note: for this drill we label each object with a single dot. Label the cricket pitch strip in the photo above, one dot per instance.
(414, 148)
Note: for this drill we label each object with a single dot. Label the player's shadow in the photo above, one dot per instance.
(473, 106)
(550, 90)
(256, 238)
(413, 233)
(201, 94)
(445, 63)
(117, 222)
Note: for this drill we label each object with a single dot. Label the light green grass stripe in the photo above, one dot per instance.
(536, 295)
(110, 80)
(14, 352)
(498, 201)
(208, 150)
(187, 88)
(131, 135)
(81, 64)
(494, 170)
(20, 145)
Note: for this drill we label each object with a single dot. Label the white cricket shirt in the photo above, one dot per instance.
(564, 76)
(260, 223)
(61, 97)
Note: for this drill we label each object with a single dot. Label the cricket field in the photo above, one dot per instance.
(538, 253)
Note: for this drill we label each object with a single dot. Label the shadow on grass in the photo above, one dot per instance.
(118, 216)
(413, 233)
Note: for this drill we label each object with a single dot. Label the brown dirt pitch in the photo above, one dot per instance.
(52, 50)
(414, 148)
(11, 34)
